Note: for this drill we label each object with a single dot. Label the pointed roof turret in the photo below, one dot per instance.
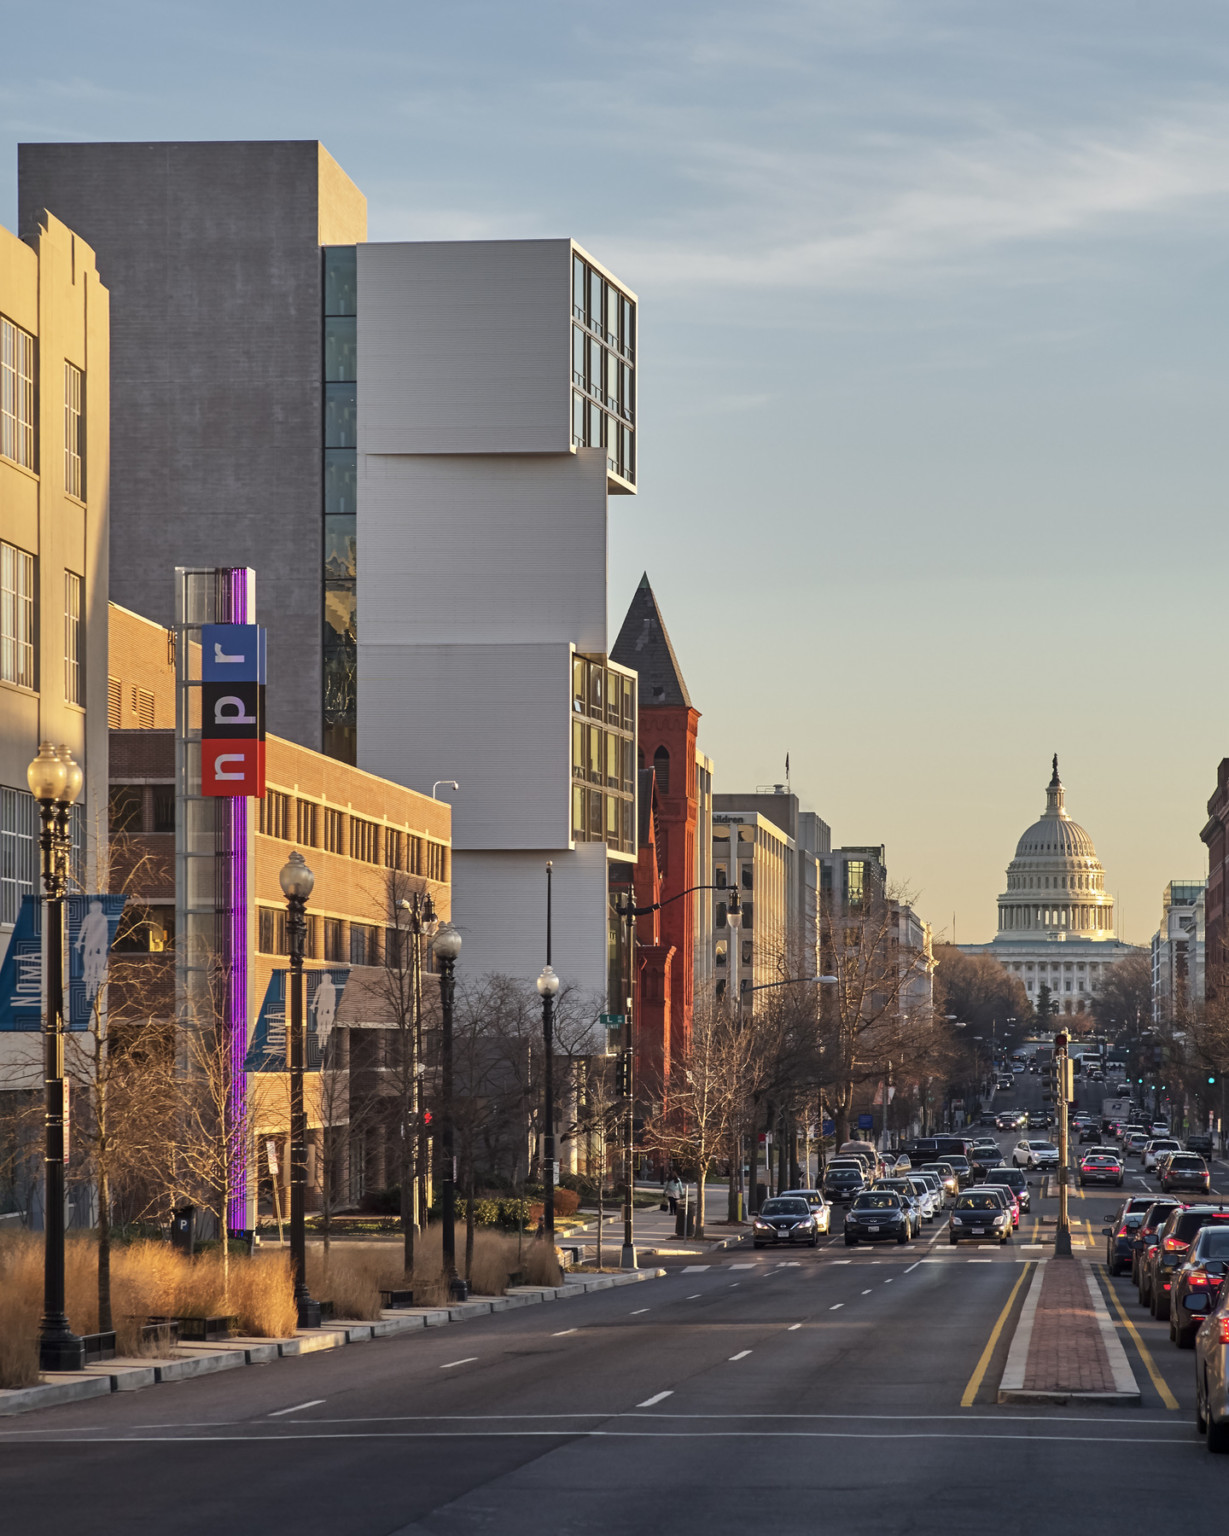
(644, 644)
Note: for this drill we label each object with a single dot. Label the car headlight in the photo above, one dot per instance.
(762, 1226)
(958, 1221)
(999, 1220)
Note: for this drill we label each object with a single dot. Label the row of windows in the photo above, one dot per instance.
(601, 374)
(746, 877)
(592, 427)
(599, 817)
(1056, 882)
(337, 941)
(602, 757)
(747, 909)
(603, 308)
(19, 626)
(17, 440)
(290, 819)
(603, 694)
(748, 950)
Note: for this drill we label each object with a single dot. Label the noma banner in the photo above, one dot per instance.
(322, 992)
(92, 922)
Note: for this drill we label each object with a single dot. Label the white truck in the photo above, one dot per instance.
(1115, 1110)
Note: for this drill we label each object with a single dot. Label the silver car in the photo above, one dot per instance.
(1211, 1367)
(927, 1196)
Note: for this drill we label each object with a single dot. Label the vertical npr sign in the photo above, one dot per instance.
(232, 709)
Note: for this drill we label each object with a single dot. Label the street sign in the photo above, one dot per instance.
(613, 1020)
(866, 1122)
(829, 1127)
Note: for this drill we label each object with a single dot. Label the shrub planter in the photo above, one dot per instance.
(98, 1347)
(201, 1330)
(394, 1299)
(160, 1333)
(327, 1311)
(517, 1277)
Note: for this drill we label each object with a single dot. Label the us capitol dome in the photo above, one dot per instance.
(1056, 922)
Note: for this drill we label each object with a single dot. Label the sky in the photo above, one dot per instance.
(931, 367)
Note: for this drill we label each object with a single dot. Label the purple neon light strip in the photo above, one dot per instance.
(236, 1021)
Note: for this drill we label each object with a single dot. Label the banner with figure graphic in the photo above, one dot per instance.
(91, 923)
(322, 992)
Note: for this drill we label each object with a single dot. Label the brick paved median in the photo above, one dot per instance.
(1066, 1352)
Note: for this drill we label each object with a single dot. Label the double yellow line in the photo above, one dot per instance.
(1158, 1381)
(987, 1354)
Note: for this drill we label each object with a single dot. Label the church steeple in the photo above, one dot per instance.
(1056, 795)
(644, 644)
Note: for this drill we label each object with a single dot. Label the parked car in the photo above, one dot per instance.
(1035, 1154)
(980, 1213)
(820, 1208)
(877, 1215)
(1173, 1240)
(1145, 1241)
(785, 1219)
(1100, 1168)
(1198, 1280)
(1185, 1170)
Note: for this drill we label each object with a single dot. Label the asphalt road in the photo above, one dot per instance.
(832, 1389)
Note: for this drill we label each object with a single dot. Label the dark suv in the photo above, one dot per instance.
(1155, 1218)
(1125, 1223)
(1173, 1241)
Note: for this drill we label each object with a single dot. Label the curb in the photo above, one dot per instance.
(1011, 1385)
(209, 1359)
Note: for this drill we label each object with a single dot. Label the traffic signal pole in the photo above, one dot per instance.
(1063, 1077)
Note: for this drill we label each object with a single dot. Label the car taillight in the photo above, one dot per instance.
(1124, 1231)
(1196, 1277)
(1174, 1245)
(1222, 1325)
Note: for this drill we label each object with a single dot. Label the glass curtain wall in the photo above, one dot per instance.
(340, 489)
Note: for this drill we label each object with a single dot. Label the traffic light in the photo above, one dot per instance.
(1212, 1079)
(623, 1075)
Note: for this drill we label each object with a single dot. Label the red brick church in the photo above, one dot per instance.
(662, 1003)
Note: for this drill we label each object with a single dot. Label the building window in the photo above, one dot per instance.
(125, 809)
(16, 616)
(74, 686)
(275, 815)
(334, 939)
(306, 822)
(74, 437)
(437, 862)
(363, 840)
(18, 850)
(392, 848)
(855, 882)
(334, 832)
(16, 394)
(364, 947)
(114, 703)
(271, 926)
(661, 767)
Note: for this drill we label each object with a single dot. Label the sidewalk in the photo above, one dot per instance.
(653, 1230)
(1065, 1345)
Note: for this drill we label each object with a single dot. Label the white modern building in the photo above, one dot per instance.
(1056, 919)
(495, 417)
(1178, 951)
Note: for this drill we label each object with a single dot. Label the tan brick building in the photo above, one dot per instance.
(367, 841)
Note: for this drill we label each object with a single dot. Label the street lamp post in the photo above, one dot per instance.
(548, 987)
(55, 782)
(447, 946)
(297, 881)
(421, 911)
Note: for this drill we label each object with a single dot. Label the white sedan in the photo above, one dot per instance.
(1035, 1154)
(1153, 1149)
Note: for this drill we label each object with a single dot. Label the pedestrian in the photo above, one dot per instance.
(674, 1192)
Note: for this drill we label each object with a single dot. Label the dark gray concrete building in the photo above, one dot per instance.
(219, 378)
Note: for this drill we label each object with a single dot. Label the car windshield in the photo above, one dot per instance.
(959, 1162)
(1213, 1243)
(1186, 1161)
(1042, 1146)
(802, 1194)
(982, 1201)
(844, 1175)
(944, 1170)
(783, 1207)
(1133, 1219)
(877, 1202)
(1100, 1162)
(1011, 1176)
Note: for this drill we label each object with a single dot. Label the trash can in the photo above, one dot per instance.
(685, 1222)
(183, 1229)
